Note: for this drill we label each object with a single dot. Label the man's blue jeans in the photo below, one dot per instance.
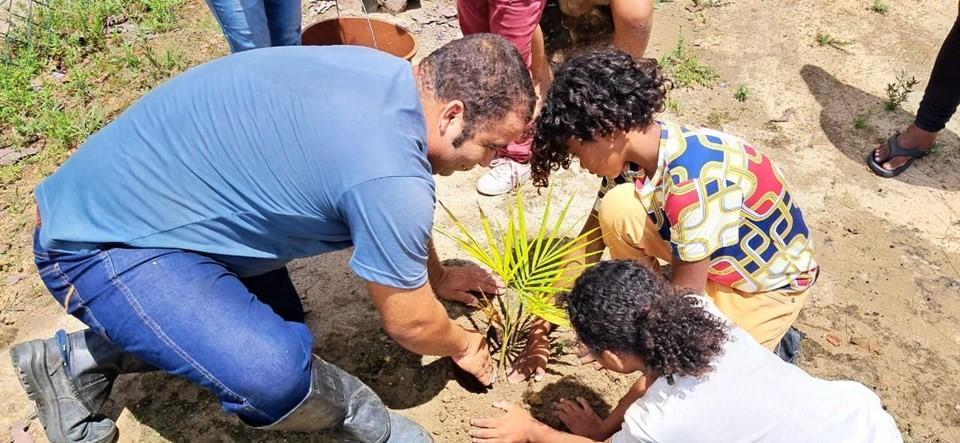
(251, 24)
(185, 313)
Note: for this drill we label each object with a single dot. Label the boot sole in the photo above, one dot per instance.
(30, 361)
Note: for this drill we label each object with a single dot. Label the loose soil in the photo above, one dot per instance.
(888, 298)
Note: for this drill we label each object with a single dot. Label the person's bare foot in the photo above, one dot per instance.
(912, 138)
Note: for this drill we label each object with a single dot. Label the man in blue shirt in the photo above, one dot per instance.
(168, 231)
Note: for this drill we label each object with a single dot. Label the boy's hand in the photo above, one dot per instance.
(536, 354)
(579, 418)
(514, 426)
(476, 359)
(457, 282)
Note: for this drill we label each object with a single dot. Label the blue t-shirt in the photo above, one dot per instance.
(258, 158)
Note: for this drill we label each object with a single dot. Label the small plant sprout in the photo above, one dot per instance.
(860, 121)
(673, 105)
(685, 67)
(658, 3)
(879, 7)
(898, 91)
(703, 4)
(824, 39)
(534, 270)
(742, 93)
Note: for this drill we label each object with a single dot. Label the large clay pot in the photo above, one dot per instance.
(390, 38)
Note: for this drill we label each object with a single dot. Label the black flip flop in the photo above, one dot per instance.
(894, 150)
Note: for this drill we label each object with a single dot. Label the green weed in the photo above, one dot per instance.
(824, 39)
(879, 7)
(164, 65)
(703, 4)
(860, 121)
(742, 93)
(898, 91)
(161, 16)
(685, 67)
(673, 105)
(78, 83)
(658, 3)
(39, 106)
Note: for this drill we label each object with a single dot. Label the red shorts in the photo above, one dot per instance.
(513, 19)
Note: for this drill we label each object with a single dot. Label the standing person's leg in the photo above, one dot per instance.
(517, 21)
(244, 23)
(284, 21)
(942, 96)
(632, 23)
(939, 103)
(473, 16)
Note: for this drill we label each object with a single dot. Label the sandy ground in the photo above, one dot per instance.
(890, 249)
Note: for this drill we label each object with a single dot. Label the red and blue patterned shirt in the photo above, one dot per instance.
(715, 197)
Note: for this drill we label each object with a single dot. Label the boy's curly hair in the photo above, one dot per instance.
(594, 95)
(623, 306)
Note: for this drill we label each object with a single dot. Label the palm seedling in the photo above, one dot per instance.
(534, 269)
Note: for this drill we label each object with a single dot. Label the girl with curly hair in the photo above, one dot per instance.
(703, 379)
(706, 202)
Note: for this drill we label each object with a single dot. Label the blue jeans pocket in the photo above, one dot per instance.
(59, 284)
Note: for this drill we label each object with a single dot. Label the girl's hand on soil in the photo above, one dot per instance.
(458, 282)
(476, 360)
(514, 426)
(533, 360)
(579, 417)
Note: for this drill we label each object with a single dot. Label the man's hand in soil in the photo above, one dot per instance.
(457, 282)
(516, 425)
(475, 359)
(533, 361)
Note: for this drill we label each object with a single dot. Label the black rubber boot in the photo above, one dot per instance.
(70, 377)
(340, 401)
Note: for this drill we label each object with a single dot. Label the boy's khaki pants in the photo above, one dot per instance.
(630, 234)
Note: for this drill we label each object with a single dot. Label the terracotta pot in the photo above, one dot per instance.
(390, 38)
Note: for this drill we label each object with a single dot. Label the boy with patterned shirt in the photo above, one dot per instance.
(709, 204)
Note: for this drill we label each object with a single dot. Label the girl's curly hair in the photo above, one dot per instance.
(623, 306)
(594, 95)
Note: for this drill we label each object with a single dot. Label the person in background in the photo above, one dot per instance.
(252, 24)
(519, 22)
(939, 103)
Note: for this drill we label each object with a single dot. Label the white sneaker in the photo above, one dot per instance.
(503, 176)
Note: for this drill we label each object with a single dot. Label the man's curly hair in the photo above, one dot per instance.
(593, 95)
(623, 306)
(487, 73)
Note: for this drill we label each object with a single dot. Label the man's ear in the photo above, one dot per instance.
(451, 117)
